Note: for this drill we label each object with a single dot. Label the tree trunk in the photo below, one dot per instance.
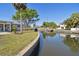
(21, 23)
(27, 23)
(21, 27)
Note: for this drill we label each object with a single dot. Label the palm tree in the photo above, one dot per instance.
(25, 14)
(19, 7)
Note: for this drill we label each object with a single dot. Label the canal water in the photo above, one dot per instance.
(58, 44)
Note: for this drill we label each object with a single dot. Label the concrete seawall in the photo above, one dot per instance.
(66, 31)
(28, 49)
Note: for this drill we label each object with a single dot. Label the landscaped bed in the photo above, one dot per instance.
(12, 44)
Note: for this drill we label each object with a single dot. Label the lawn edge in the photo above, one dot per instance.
(29, 48)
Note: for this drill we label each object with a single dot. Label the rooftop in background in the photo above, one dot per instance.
(13, 22)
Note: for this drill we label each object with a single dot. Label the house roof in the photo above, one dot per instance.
(12, 22)
(4, 22)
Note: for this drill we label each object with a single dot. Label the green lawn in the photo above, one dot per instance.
(13, 43)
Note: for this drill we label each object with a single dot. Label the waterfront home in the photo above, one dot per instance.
(75, 29)
(6, 26)
(61, 26)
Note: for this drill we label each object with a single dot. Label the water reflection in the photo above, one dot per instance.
(44, 35)
(48, 34)
(52, 34)
(36, 50)
(59, 44)
(72, 41)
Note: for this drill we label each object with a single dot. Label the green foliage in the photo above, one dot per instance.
(50, 24)
(20, 15)
(14, 28)
(19, 6)
(44, 35)
(48, 34)
(25, 14)
(28, 15)
(51, 34)
(73, 21)
(31, 13)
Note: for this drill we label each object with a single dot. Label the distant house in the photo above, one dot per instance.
(61, 26)
(75, 29)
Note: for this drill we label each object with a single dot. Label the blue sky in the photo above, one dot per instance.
(47, 12)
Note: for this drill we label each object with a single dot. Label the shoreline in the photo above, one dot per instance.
(66, 31)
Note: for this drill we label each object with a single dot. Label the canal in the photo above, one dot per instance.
(58, 44)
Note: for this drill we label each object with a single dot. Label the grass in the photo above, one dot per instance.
(13, 43)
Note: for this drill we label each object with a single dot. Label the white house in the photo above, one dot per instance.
(75, 29)
(6, 26)
(62, 26)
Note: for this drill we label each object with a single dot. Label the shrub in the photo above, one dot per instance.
(14, 28)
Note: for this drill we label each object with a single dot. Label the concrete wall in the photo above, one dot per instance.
(74, 29)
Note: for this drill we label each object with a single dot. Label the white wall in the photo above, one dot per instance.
(74, 29)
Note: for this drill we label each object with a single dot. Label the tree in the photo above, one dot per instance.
(45, 24)
(19, 7)
(50, 24)
(31, 16)
(27, 15)
(73, 21)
